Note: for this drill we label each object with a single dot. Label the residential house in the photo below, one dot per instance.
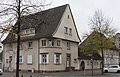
(49, 42)
(117, 43)
(111, 56)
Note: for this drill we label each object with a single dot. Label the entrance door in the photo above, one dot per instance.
(68, 62)
(82, 66)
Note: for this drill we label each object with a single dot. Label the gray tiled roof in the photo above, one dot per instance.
(44, 22)
(96, 56)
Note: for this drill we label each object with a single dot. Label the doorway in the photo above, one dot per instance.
(82, 66)
(68, 62)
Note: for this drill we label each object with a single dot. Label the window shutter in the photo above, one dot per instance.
(60, 59)
(54, 58)
(29, 59)
(40, 58)
(47, 58)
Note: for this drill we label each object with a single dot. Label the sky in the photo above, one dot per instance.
(83, 10)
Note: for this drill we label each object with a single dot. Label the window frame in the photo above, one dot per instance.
(51, 43)
(30, 44)
(44, 43)
(70, 31)
(20, 59)
(66, 30)
(58, 43)
(57, 58)
(68, 45)
(44, 58)
(29, 59)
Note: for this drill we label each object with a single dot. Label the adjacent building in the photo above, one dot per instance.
(111, 53)
(117, 43)
(49, 42)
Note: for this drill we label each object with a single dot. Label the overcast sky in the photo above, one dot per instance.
(84, 9)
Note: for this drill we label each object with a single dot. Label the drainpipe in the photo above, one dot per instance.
(38, 55)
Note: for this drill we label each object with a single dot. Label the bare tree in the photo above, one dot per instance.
(102, 24)
(13, 10)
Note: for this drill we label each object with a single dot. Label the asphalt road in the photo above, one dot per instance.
(63, 74)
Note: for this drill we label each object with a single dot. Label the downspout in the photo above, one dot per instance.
(38, 55)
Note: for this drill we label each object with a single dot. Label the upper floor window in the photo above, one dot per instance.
(21, 46)
(29, 59)
(68, 45)
(10, 59)
(30, 44)
(58, 42)
(70, 31)
(20, 59)
(66, 30)
(51, 42)
(43, 42)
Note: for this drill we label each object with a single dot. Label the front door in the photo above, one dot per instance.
(68, 62)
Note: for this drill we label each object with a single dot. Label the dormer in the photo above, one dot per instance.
(28, 32)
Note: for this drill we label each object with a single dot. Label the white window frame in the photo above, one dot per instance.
(44, 58)
(29, 59)
(51, 43)
(20, 59)
(59, 57)
(58, 42)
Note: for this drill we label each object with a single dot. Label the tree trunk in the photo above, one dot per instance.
(18, 40)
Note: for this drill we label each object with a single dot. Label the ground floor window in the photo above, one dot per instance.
(57, 58)
(44, 58)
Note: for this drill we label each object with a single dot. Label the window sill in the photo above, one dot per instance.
(44, 64)
(66, 33)
(30, 48)
(58, 64)
(29, 64)
(68, 48)
(51, 47)
(20, 63)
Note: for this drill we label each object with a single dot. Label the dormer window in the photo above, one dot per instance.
(29, 31)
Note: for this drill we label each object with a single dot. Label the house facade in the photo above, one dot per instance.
(49, 42)
(117, 43)
(111, 54)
